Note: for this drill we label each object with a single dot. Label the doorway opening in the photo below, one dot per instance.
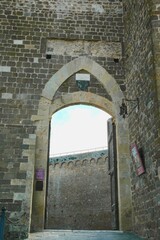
(79, 189)
(78, 128)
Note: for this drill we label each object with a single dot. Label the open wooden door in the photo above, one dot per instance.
(112, 165)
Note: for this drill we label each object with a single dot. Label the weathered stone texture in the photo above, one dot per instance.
(79, 193)
(71, 86)
(25, 68)
(29, 25)
(143, 125)
(14, 194)
(30, 32)
(156, 36)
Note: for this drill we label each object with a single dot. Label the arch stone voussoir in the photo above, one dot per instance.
(93, 68)
(82, 98)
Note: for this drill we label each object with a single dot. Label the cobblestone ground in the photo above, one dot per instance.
(83, 235)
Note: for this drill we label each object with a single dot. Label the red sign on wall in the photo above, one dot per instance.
(137, 159)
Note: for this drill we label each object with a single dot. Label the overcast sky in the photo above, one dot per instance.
(78, 127)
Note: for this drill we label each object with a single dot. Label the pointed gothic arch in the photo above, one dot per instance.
(47, 107)
(82, 98)
(90, 66)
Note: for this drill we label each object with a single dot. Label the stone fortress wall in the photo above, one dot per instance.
(123, 38)
(33, 36)
(79, 195)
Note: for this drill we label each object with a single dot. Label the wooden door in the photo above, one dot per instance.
(112, 158)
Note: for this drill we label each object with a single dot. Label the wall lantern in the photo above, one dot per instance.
(124, 108)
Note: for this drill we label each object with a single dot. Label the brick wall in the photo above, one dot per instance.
(155, 16)
(143, 125)
(79, 192)
(26, 28)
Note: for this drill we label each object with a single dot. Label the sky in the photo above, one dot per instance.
(76, 128)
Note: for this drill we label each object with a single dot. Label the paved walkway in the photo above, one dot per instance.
(83, 235)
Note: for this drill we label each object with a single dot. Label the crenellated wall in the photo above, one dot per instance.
(79, 195)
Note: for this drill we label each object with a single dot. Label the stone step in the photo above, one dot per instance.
(82, 235)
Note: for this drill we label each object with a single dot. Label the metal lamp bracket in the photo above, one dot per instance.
(124, 108)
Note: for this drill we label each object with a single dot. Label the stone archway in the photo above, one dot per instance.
(92, 67)
(82, 98)
(42, 120)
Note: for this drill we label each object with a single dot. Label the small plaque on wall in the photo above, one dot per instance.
(137, 159)
(39, 185)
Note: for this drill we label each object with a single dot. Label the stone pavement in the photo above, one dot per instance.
(82, 235)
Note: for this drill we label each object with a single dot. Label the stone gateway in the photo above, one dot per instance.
(43, 45)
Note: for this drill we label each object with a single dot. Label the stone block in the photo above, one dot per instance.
(5, 69)
(18, 42)
(18, 182)
(7, 95)
(19, 196)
